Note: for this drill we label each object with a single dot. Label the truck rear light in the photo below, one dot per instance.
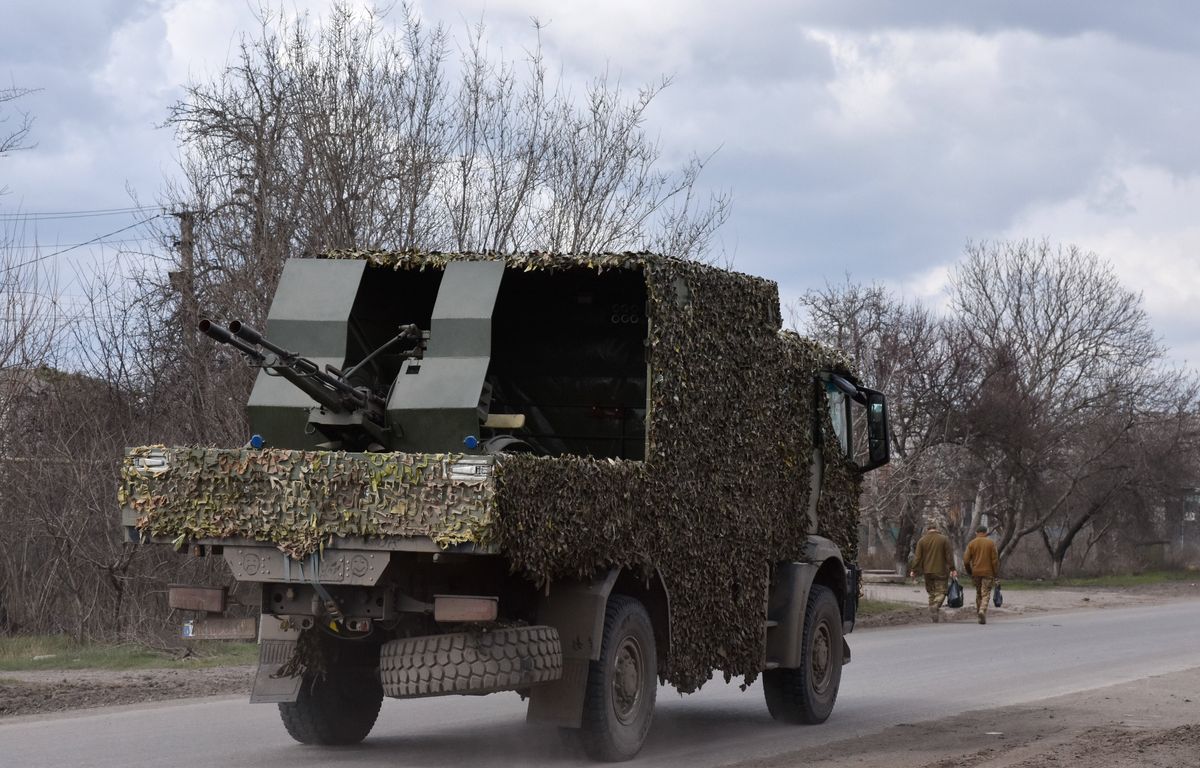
(208, 599)
(454, 608)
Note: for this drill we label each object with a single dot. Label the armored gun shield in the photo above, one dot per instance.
(550, 362)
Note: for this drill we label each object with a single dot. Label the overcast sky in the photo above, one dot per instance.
(869, 138)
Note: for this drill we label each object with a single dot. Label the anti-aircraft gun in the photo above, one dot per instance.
(351, 417)
(689, 502)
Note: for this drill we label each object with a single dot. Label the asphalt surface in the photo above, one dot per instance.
(897, 676)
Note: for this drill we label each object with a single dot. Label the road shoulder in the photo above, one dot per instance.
(1150, 722)
(31, 693)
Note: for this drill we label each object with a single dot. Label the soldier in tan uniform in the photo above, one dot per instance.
(934, 558)
(982, 563)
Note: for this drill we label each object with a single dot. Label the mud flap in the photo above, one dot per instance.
(576, 610)
(275, 648)
(560, 702)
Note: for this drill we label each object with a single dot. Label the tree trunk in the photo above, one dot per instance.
(904, 539)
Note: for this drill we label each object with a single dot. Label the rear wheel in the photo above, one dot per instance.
(336, 709)
(621, 686)
(807, 694)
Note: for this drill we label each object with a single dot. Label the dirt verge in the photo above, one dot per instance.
(28, 693)
(1151, 723)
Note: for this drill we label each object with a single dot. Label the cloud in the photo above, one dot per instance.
(921, 140)
(872, 137)
(877, 138)
(133, 78)
(1151, 239)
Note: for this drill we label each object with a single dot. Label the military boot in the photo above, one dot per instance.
(934, 615)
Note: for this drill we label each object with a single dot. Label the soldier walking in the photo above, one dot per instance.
(982, 564)
(934, 558)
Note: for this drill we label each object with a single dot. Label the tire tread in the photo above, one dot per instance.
(787, 690)
(596, 732)
(500, 660)
(337, 710)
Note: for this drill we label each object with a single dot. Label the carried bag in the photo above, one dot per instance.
(997, 596)
(954, 594)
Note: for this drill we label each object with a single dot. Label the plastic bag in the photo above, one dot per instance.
(997, 597)
(954, 594)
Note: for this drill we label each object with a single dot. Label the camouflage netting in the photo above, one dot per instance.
(724, 487)
(300, 500)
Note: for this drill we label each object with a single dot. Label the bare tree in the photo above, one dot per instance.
(346, 135)
(912, 355)
(1151, 464)
(1063, 349)
(14, 128)
(29, 322)
(1038, 404)
(71, 407)
(350, 134)
(30, 326)
(14, 133)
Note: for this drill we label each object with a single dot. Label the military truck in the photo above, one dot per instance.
(566, 476)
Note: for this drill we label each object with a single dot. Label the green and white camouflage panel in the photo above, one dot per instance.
(300, 500)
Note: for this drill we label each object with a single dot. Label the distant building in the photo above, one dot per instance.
(1186, 534)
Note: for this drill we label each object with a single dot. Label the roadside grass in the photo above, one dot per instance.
(1113, 581)
(880, 607)
(55, 652)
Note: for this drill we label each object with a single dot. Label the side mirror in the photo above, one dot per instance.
(878, 444)
(861, 414)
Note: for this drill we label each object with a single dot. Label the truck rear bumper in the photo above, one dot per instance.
(356, 567)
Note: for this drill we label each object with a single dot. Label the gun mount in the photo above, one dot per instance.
(349, 416)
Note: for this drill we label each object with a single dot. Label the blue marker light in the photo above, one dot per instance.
(471, 442)
(256, 442)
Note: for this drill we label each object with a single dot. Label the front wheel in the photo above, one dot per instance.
(807, 694)
(621, 685)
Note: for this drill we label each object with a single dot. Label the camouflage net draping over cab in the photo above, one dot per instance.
(723, 491)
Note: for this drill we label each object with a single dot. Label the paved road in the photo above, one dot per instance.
(897, 676)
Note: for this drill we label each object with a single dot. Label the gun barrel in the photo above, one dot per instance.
(241, 330)
(341, 385)
(300, 371)
(221, 334)
(410, 333)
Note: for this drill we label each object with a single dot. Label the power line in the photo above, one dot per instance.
(82, 214)
(96, 239)
(35, 246)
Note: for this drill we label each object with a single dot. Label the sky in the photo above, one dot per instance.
(872, 139)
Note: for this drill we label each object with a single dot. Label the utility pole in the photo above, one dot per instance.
(186, 284)
(184, 281)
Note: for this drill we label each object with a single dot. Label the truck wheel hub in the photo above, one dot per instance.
(821, 652)
(627, 680)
